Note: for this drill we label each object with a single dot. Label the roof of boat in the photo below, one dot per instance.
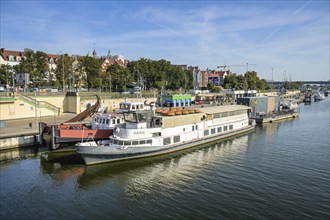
(109, 115)
(222, 108)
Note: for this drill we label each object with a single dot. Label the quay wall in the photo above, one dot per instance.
(16, 141)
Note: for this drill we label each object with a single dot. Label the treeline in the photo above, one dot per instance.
(86, 72)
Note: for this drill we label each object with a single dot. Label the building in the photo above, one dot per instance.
(175, 100)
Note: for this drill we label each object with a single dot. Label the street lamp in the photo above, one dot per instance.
(14, 74)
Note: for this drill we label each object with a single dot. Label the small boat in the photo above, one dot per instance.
(319, 96)
(147, 133)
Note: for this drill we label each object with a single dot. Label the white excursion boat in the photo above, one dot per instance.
(319, 96)
(149, 133)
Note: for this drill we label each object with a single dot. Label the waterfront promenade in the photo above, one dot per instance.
(17, 127)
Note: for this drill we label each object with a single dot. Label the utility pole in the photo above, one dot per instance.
(62, 72)
(14, 84)
(110, 83)
(272, 79)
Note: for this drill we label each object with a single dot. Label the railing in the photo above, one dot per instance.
(40, 104)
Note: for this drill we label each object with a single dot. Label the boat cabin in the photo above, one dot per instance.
(131, 106)
(106, 121)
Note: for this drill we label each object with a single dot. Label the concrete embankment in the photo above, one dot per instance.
(25, 132)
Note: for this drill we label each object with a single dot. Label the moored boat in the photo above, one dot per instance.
(100, 127)
(150, 133)
(319, 96)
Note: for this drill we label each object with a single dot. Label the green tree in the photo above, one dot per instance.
(118, 76)
(252, 80)
(6, 74)
(92, 67)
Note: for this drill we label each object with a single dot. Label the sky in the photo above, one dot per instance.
(280, 40)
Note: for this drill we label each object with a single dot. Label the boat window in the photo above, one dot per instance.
(133, 107)
(103, 121)
(225, 128)
(95, 119)
(206, 132)
(131, 117)
(118, 121)
(157, 134)
(213, 131)
(142, 118)
(135, 142)
(193, 128)
(219, 129)
(167, 141)
(127, 143)
(120, 142)
(224, 114)
(142, 142)
(149, 141)
(113, 121)
(108, 120)
(231, 113)
(176, 139)
(141, 106)
(196, 127)
(216, 115)
(231, 127)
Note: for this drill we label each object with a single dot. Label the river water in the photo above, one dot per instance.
(279, 171)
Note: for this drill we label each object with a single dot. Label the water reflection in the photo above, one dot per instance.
(20, 153)
(141, 177)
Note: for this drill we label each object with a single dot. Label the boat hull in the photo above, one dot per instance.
(96, 154)
(62, 137)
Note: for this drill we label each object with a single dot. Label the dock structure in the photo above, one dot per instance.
(279, 117)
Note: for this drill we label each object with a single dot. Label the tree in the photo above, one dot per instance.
(118, 76)
(6, 74)
(252, 80)
(92, 67)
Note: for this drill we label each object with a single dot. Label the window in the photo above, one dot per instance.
(176, 139)
(135, 142)
(149, 141)
(142, 118)
(193, 128)
(142, 142)
(118, 121)
(167, 141)
(206, 132)
(213, 131)
(113, 121)
(219, 129)
(231, 113)
(108, 120)
(127, 143)
(225, 128)
(224, 114)
(157, 134)
(231, 127)
(216, 115)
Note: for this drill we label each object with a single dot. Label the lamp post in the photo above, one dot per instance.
(14, 84)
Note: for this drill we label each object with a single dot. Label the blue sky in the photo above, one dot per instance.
(292, 37)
